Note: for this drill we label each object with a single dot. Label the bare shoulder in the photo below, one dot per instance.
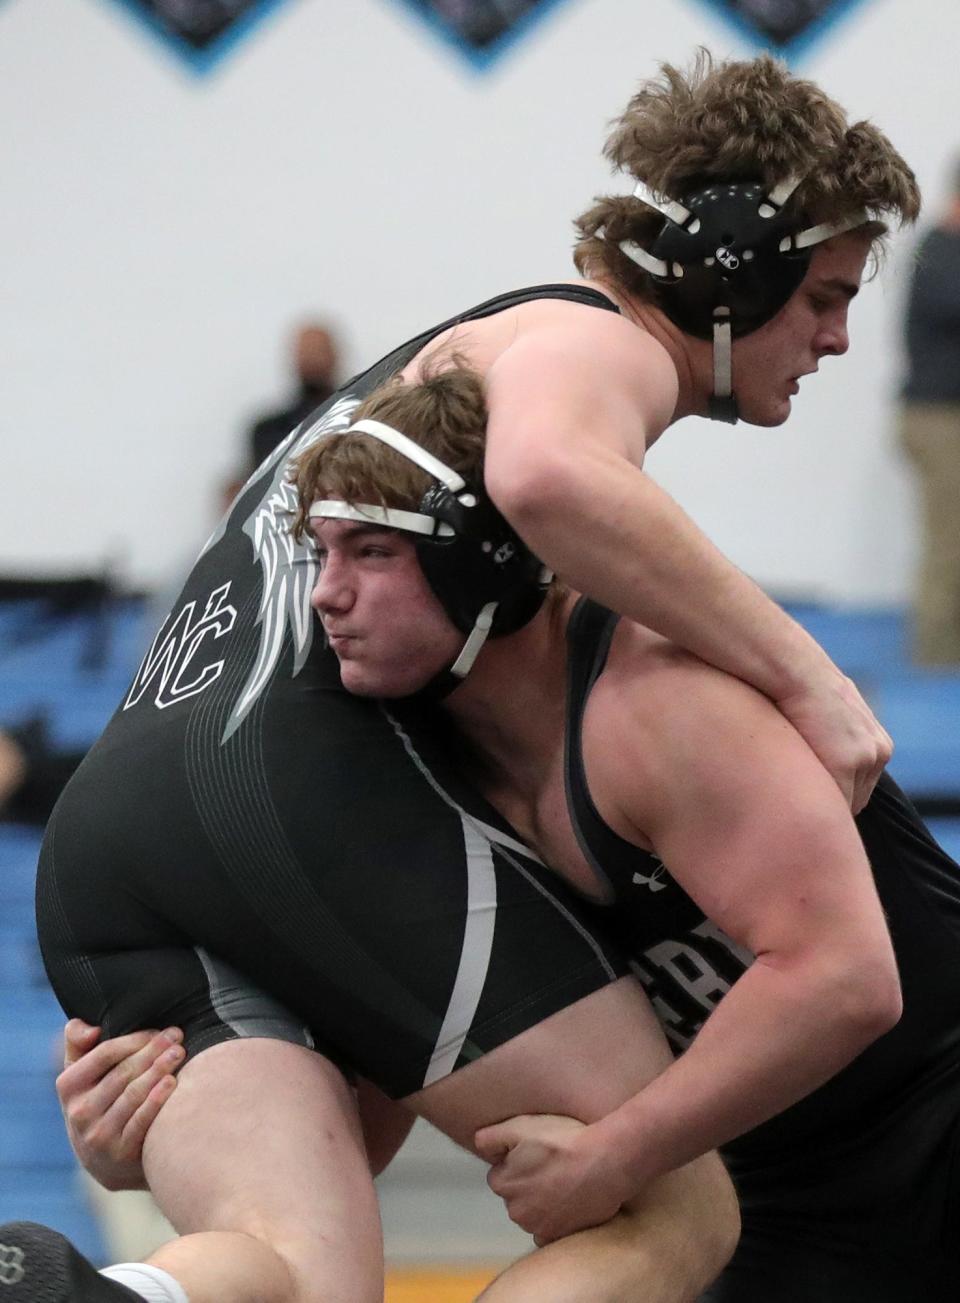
(659, 720)
(565, 332)
(588, 361)
(641, 664)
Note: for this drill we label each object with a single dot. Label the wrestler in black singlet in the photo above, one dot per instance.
(242, 814)
(851, 1195)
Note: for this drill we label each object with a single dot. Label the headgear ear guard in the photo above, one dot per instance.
(725, 262)
(484, 575)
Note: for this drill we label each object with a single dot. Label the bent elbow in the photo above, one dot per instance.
(888, 1005)
(529, 491)
(873, 1003)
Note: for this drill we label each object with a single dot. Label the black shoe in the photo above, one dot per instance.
(38, 1265)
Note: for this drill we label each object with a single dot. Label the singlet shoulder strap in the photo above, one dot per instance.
(571, 292)
(590, 631)
(398, 358)
(614, 860)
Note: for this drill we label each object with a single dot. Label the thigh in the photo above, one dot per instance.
(345, 871)
(584, 1061)
(552, 1067)
(263, 1137)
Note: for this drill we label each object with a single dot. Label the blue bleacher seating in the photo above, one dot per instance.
(73, 671)
(947, 833)
(863, 642)
(920, 708)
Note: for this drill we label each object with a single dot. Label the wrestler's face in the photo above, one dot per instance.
(382, 619)
(769, 363)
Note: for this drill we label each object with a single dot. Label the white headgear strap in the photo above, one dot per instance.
(413, 522)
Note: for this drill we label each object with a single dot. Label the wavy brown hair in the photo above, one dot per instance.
(445, 413)
(745, 120)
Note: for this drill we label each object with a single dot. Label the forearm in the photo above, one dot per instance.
(774, 1038)
(385, 1125)
(647, 560)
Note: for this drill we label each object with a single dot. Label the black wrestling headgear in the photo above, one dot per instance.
(726, 260)
(484, 575)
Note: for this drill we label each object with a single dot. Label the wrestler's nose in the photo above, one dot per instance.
(832, 338)
(332, 591)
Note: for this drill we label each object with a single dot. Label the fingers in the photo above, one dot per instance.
(117, 1075)
(78, 1038)
(843, 732)
(123, 1129)
(869, 776)
(878, 743)
(492, 1143)
(85, 1068)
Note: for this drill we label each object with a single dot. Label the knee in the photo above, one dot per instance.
(696, 1217)
(717, 1214)
(318, 1270)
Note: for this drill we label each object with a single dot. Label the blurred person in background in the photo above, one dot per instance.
(315, 355)
(33, 771)
(930, 431)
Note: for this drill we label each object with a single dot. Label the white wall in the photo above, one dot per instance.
(162, 231)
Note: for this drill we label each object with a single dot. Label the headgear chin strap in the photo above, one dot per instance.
(725, 262)
(484, 575)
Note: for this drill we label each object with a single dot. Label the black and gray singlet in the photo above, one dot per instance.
(853, 1194)
(244, 826)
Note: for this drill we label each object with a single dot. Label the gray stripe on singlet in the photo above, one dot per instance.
(504, 843)
(474, 955)
(247, 1010)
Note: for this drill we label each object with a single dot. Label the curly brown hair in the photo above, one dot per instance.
(445, 413)
(745, 120)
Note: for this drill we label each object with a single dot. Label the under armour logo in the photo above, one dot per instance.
(654, 882)
(728, 258)
(12, 1270)
(503, 553)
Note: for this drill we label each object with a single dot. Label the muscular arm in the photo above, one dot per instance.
(732, 800)
(704, 771)
(572, 410)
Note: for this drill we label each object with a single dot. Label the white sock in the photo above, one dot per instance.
(151, 1283)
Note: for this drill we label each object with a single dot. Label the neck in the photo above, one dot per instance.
(951, 217)
(513, 718)
(692, 358)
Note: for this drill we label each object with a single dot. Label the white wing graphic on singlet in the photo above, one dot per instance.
(289, 568)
